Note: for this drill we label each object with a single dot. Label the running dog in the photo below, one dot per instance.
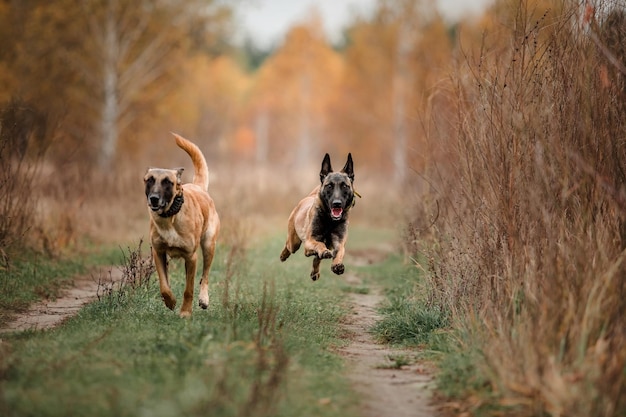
(320, 220)
(182, 218)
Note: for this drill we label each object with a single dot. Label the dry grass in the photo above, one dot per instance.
(137, 271)
(529, 248)
(22, 129)
(252, 202)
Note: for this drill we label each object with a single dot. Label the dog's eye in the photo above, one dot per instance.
(344, 186)
(166, 182)
(150, 181)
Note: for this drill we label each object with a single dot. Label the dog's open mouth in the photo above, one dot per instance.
(155, 206)
(336, 212)
(155, 203)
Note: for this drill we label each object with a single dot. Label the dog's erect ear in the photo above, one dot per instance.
(179, 175)
(349, 168)
(326, 168)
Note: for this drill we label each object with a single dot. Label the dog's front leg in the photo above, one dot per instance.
(339, 251)
(190, 275)
(313, 247)
(160, 262)
(315, 271)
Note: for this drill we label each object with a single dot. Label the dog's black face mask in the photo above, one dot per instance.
(161, 186)
(336, 191)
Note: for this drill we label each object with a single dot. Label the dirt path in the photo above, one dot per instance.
(386, 389)
(46, 314)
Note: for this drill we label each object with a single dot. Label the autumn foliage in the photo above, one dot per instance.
(501, 137)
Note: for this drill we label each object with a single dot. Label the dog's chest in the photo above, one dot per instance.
(169, 237)
(172, 238)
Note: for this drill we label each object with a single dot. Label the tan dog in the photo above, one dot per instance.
(182, 218)
(320, 220)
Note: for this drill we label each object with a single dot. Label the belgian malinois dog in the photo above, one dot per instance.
(320, 220)
(182, 218)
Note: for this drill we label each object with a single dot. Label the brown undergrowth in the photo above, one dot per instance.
(528, 251)
(22, 129)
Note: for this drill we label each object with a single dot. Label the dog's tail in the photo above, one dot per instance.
(201, 170)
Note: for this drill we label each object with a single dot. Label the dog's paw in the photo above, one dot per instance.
(169, 300)
(204, 304)
(185, 314)
(315, 275)
(284, 255)
(326, 254)
(309, 252)
(338, 269)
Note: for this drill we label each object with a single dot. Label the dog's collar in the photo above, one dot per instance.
(177, 204)
(354, 199)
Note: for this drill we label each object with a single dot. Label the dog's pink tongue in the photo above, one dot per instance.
(336, 212)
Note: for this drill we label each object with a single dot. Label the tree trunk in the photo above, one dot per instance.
(400, 87)
(110, 103)
(304, 135)
(261, 128)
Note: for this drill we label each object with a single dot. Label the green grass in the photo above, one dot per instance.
(396, 361)
(34, 276)
(408, 319)
(409, 322)
(264, 347)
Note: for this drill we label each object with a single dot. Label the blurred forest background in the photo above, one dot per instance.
(497, 145)
(91, 89)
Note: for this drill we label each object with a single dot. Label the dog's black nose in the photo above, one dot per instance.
(337, 204)
(154, 201)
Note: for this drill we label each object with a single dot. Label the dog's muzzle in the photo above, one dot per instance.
(336, 210)
(155, 202)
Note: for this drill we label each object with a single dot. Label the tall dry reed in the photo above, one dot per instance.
(528, 253)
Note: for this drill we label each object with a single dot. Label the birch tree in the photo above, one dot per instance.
(409, 17)
(111, 61)
(138, 43)
(292, 96)
(392, 61)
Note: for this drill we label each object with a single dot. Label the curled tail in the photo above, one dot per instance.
(201, 170)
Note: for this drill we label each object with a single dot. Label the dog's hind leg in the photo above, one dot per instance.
(160, 262)
(289, 249)
(208, 251)
(315, 271)
(190, 275)
(292, 245)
